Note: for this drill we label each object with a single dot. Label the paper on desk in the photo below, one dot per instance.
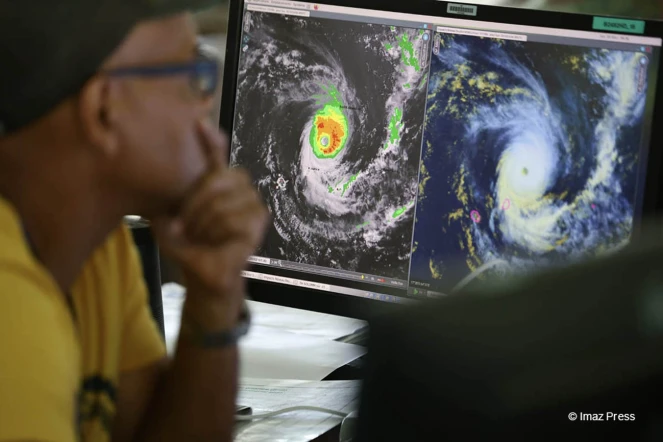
(303, 321)
(264, 395)
(285, 318)
(172, 296)
(270, 352)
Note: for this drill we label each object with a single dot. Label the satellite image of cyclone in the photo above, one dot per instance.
(329, 123)
(530, 157)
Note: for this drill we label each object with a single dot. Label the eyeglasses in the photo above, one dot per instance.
(203, 72)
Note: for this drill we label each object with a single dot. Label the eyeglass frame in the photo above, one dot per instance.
(205, 65)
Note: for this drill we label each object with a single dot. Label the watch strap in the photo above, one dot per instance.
(218, 339)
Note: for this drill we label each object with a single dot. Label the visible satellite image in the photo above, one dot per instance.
(530, 155)
(329, 121)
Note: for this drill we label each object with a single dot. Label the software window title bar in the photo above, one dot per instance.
(455, 22)
(482, 34)
(275, 10)
(324, 287)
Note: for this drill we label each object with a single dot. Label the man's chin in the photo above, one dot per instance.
(175, 205)
(166, 208)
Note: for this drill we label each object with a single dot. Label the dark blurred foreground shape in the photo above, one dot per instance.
(515, 361)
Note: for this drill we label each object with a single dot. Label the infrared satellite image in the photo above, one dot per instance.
(530, 156)
(329, 123)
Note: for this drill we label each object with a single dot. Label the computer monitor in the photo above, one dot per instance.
(405, 148)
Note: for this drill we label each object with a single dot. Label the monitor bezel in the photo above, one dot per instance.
(364, 308)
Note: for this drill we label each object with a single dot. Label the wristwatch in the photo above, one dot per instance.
(220, 339)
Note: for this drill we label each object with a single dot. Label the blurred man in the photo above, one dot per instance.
(103, 114)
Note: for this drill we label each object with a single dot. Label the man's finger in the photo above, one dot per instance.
(214, 144)
(238, 222)
(217, 210)
(211, 188)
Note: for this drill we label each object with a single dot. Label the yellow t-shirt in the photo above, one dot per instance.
(59, 375)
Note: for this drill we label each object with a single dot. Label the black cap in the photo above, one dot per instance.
(50, 48)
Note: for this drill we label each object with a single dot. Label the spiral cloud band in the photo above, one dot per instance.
(541, 141)
(329, 123)
(437, 157)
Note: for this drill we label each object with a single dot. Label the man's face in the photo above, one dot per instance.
(156, 118)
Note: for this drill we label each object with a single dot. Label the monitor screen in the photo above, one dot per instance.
(402, 156)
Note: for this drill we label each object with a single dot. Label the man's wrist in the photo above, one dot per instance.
(214, 309)
(215, 338)
(212, 314)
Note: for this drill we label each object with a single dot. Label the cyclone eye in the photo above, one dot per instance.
(530, 155)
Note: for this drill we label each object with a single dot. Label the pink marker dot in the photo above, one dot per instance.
(593, 206)
(476, 217)
(506, 205)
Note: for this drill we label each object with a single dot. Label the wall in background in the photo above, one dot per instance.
(213, 21)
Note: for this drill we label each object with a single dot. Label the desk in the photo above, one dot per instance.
(338, 391)
(351, 371)
(284, 344)
(331, 436)
(297, 425)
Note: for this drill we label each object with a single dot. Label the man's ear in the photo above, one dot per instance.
(95, 106)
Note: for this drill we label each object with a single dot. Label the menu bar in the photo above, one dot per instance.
(282, 11)
(480, 33)
(462, 23)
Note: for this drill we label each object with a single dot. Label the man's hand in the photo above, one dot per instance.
(218, 227)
